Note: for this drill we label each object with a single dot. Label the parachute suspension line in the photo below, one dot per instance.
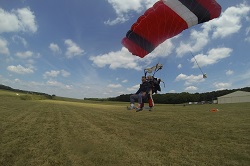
(204, 74)
(163, 83)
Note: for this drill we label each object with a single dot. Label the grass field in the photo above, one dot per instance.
(48, 132)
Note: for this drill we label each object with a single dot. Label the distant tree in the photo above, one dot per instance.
(5, 87)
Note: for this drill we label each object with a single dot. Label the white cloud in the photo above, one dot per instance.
(4, 46)
(197, 41)
(53, 83)
(119, 19)
(133, 88)
(222, 85)
(114, 86)
(56, 73)
(24, 55)
(18, 39)
(52, 73)
(119, 59)
(72, 49)
(229, 72)
(163, 50)
(17, 80)
(172, 91)
(124, 81)
(124, 59)
(54, 48)
(20, 69)
(65, 73)
(17, 20)
(27, 19)
(9, 22)
(122, 8)
(213, 56)
(179, 66)
(59, 85)
(189, 79)
(230, 21)
(191, 88)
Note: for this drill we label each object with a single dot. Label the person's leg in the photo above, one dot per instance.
(134, 97)
(150, 99)
(132, 101)
(141, 97)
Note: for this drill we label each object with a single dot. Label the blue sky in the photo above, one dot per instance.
(73, 49)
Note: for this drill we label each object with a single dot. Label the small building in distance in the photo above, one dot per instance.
(235, 97)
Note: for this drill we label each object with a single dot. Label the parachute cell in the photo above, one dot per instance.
(166, 19)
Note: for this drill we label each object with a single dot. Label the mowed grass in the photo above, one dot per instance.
(47, 132)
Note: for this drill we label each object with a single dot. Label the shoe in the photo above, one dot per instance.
(150, 109)
(130, 108)
(138, 109)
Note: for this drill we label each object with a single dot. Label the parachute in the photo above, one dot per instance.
(166, 19)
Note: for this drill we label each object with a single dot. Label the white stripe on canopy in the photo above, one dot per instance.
(180, 9)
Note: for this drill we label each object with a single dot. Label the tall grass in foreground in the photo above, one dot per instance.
(44, 132)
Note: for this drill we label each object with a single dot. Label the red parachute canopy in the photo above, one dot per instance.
(167, 18)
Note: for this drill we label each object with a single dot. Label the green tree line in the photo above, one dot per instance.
(184, 97)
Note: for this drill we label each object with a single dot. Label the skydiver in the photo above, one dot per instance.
(140, 95)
